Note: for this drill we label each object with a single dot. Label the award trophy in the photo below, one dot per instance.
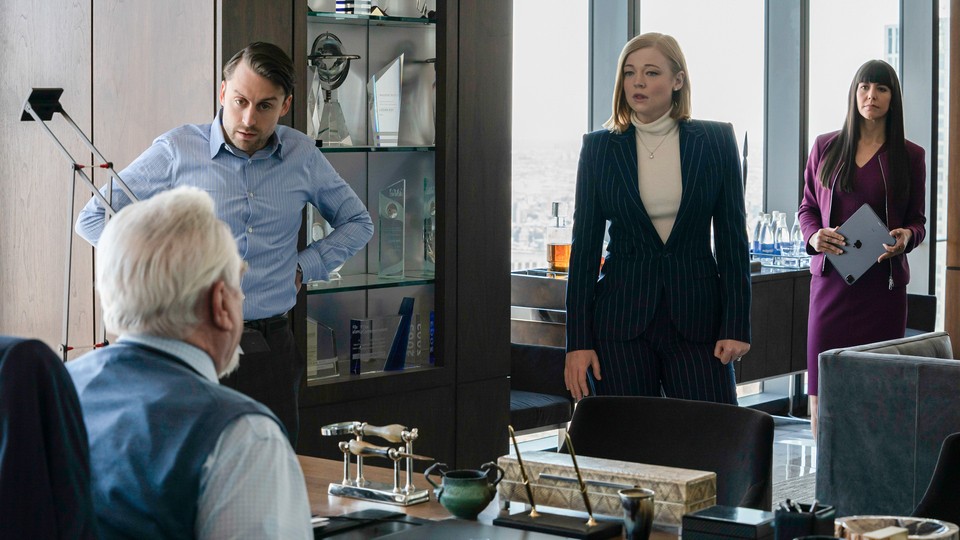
(371, 341)
(429, 227)
(392, 200)
(318, 229)
(330, 67)
(383, 93)
(326, 360)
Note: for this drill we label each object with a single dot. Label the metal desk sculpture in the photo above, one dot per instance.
(360, 488)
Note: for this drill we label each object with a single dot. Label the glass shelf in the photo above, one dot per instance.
(345, 375)
(364, 282)
(361, 20)
(348, 149)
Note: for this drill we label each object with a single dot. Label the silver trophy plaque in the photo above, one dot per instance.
(383, 93)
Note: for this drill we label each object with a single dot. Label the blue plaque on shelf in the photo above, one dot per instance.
(397, 357)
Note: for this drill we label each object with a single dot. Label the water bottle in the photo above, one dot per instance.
(781, 236)
(755, 239)
(796, 236)
(766, 236)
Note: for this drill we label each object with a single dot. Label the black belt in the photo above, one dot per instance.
(268, 325)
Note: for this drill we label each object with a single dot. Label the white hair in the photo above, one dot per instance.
(157, 258)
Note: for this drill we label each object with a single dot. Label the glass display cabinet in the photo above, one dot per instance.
(373, 84)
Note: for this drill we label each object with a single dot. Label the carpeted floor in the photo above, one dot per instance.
(800, 489)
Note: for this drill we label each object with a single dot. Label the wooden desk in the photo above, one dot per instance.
(319, 473)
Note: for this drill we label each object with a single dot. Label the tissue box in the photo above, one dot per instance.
(554, 483)
(728, 523)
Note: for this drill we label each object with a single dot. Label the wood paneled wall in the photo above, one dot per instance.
(42, 44)
(952, 306)
(153, 70)
(130, 71)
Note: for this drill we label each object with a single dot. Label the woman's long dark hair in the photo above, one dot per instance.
(842, 153)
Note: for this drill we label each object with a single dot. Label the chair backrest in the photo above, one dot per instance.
(942, 499)
(44, 454)
(928, 345)
(538, 368)
(734, 442)
(922, 312)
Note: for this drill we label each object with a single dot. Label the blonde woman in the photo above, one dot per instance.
(667, 313)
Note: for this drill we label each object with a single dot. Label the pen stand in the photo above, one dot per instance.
(402, 492)
(789, 525)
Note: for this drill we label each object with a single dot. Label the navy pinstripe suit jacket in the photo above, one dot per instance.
(708, 294)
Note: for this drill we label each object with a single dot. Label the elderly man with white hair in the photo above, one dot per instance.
(173, 453)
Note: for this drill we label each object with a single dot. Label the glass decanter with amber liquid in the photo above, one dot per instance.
(558, 239)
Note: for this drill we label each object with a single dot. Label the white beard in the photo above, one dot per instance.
(232, 365)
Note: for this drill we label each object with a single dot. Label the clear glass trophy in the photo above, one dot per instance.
(318, 229)
(371, 341)
(330, 67)
(392, 200)
(383, 95)
(429, 227)
(325, 363)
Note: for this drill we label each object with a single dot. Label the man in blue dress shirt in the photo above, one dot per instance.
(260, 176)
(173, 454)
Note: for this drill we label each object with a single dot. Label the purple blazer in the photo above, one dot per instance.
(904, 213)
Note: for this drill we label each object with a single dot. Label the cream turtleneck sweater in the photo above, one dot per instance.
(660, 181)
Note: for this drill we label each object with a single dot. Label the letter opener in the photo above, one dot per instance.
(523, 474)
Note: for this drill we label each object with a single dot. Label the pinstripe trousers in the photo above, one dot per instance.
(660, 362)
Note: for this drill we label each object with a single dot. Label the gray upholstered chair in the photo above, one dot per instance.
(885, 409)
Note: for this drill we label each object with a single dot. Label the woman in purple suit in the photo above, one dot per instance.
(868, 161)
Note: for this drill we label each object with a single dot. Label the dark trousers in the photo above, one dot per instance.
(272, 376)
(660, 362)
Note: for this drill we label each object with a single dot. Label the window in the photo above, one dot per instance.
(726, 63)
(550, 79)
(846, 36)
(943, 146)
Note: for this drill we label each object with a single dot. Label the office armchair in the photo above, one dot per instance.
(942, 499)
(885, 410)
(736, 443)
(44, 457)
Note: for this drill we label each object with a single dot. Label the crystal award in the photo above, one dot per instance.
(318, 229)
(429, 227)
(325, 362)
(371, 341)
(383, 94)
(392, 200)
(330, 67)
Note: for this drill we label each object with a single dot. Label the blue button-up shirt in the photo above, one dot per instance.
(260, 197)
